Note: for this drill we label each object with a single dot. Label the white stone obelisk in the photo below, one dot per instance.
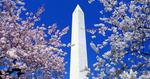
(78, 61)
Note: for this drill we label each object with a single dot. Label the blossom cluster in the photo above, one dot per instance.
(129, 25)
(27, 49)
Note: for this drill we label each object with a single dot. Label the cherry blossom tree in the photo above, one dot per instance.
(27, 50)
(127, 29)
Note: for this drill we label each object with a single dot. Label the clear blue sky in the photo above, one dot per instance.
(60, 12)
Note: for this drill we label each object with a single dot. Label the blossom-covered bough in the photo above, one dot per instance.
(26, 50)
(127, 29)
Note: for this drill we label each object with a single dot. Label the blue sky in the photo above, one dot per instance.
(60, 12)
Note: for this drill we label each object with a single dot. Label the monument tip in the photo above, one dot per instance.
(78, 7)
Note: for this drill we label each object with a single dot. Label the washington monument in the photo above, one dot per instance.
(79, 51)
